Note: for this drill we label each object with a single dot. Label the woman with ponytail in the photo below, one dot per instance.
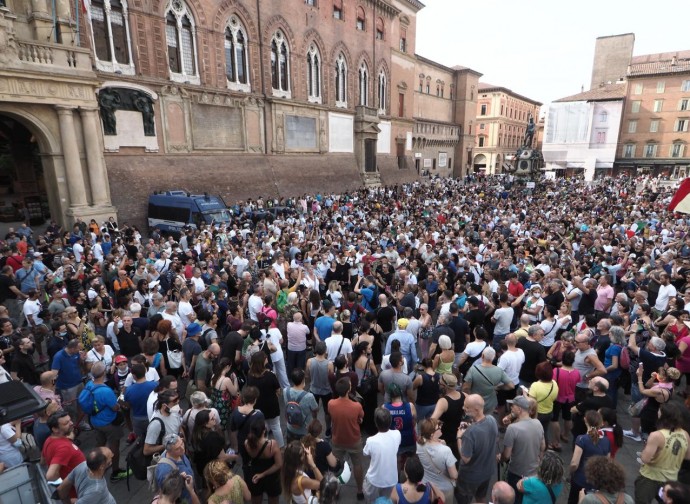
(611, 429)
(413, 491)
(323, 453)
(586, 446)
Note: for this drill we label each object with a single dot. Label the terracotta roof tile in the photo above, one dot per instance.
(660, 63)
(603, 93)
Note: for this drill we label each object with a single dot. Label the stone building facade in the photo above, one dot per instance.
(654, 134)
(49, 114)
(240, 98)
(501, 121)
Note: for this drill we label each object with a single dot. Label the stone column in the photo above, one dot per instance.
(63, 9)
(70, 153)
(94, 156)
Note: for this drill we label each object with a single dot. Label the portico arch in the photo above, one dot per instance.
(16, 119)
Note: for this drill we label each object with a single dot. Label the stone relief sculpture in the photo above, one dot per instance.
(109, 101)
(144, 104)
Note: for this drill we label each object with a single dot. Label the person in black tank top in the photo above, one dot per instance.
(449, 410)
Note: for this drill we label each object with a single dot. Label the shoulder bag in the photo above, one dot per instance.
(174, 356)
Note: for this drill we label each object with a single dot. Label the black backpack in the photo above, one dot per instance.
(136, 460)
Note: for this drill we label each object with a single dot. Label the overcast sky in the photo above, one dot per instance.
(543, 49)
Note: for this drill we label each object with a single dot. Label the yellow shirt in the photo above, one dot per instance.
(664, 466)
(545, 394)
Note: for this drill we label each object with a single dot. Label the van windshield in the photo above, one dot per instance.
(219, 215)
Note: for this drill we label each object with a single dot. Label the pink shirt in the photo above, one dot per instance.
(683, 362)
(604, 296)
(567, 381)
(297, 336)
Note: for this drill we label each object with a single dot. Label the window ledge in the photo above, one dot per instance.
(282, 94)
(340, 104)
(314, 99)
(185, 79)
(114, 67)
(236, 86)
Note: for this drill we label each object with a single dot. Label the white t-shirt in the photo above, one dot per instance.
(665, 292)
(550, 331)
(151, 375)
(176, 322)
(382, 448)
(4, 375)
(336, 297)
(503, 316)
(185, 312)
(199, 285)
(333, 343)
(240, 263)
(9, 455)
(254, 305)
(92, 356)
(511, 362)
(33, 307)
(274, 336)
(78, 250)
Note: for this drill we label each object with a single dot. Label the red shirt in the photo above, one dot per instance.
(60, 450)
(346, 416)
(515, 289)
(608, 432)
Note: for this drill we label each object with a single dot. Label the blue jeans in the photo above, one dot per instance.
(497, 341)
(635, 394)
(612, 392)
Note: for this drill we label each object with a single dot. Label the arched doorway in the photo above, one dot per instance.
(23, 187)
(480, 163)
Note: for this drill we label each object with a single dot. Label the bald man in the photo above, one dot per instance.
(502, 493)
(478, 447)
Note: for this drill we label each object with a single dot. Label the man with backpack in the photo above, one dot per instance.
(100, 402)
(300, 406)
(174, 459)
(67, 369)
(369, 292)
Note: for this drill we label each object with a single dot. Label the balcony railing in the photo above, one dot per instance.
(59, 57)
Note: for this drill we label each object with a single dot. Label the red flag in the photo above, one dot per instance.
(681, 200)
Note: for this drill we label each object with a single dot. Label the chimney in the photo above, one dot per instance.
(582, 88)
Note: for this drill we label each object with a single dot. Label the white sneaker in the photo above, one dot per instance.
(631, 435)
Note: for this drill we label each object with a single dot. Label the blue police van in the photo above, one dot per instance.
(171, 211)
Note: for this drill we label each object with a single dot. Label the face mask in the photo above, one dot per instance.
(537, 295)
(175, 410)
(63, 334)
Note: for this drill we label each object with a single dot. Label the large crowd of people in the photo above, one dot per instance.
(458, 334)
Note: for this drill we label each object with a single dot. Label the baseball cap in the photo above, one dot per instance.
(403, 323)
(193, 329)
(120, 358)
(521, 402)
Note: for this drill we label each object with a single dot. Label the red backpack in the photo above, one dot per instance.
(624, 359)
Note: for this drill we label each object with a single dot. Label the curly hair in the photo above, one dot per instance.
(551, 469)
(216, 473)
(605, 474)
